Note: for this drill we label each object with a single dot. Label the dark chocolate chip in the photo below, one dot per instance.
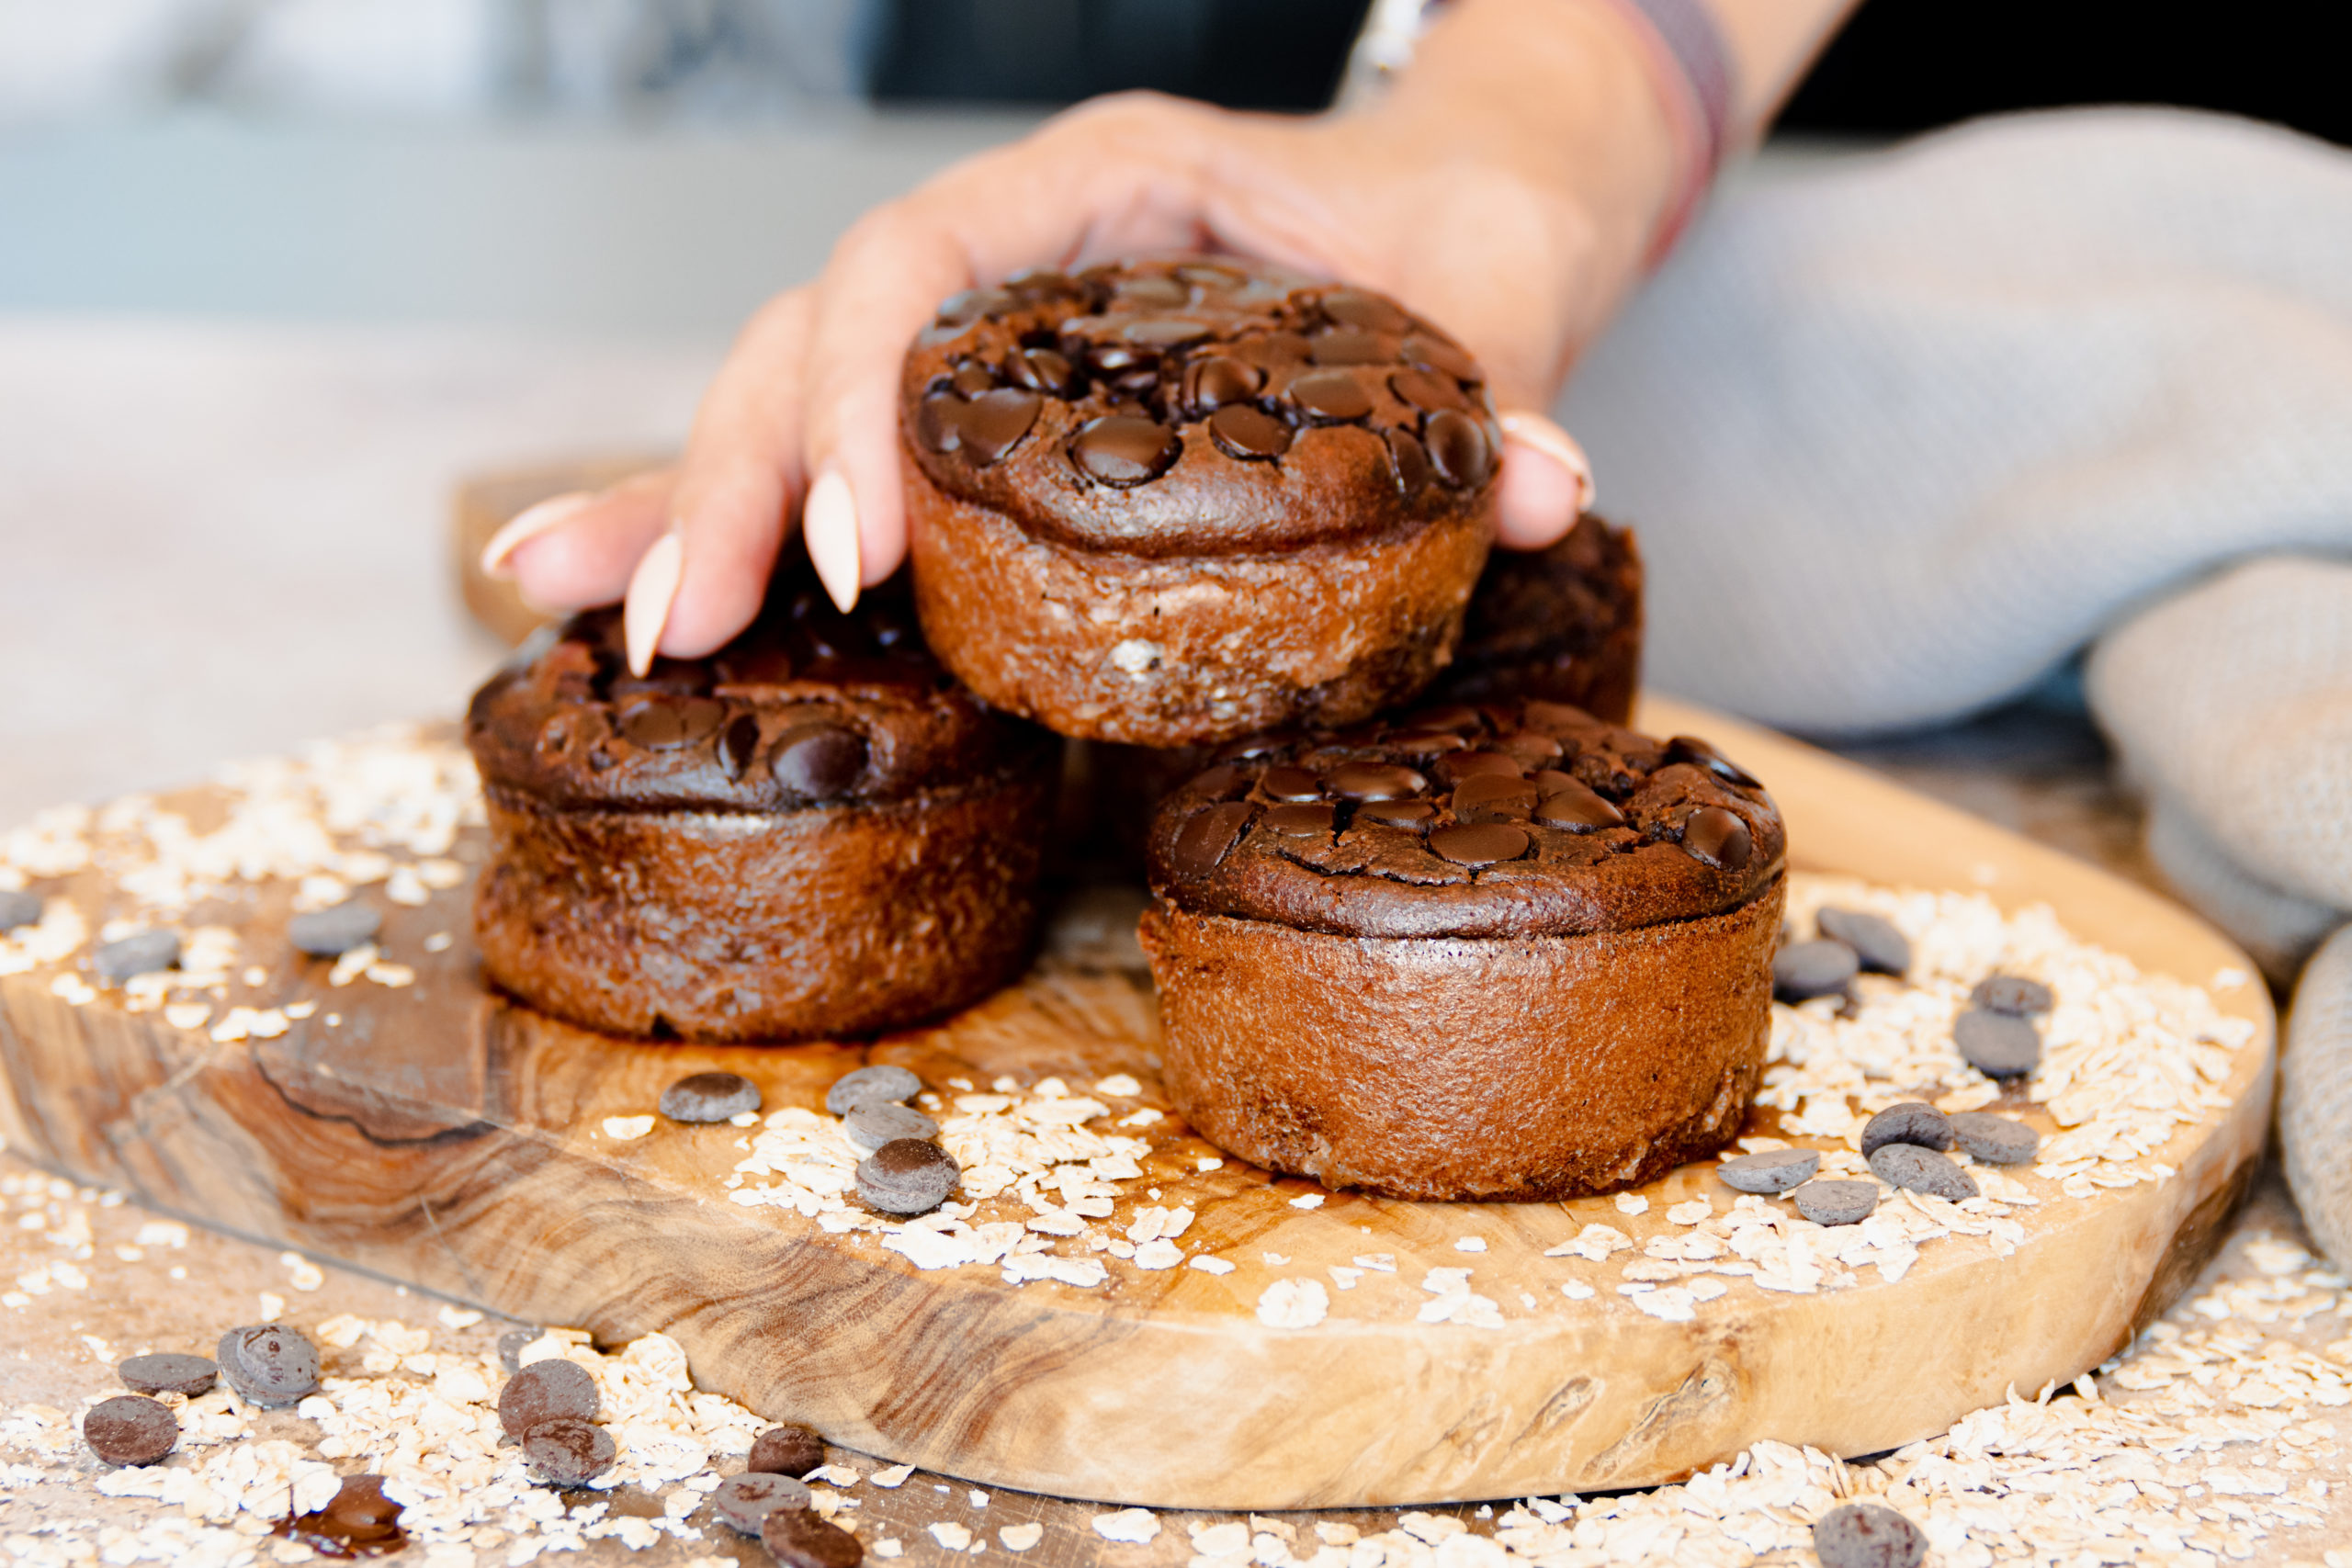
(1690, 748)
(743, 1502)
(972, 379)
(1995, 1139)
(818, 761)
(1875, 939)
(1913, 1121)
(2011, 994)
(131, 1429)
(709, 1097)
(1436, 353)
(1124, 449)
(18, 909)
(1427, 391)
(1570, 802)
(907, 1176)
(1486, 843)
(550, 1390)
(1776, 1170)
(1246, 432)
(1040, 370)
(357, 1521)
(511, 1346)
(1410, 460)
(567, 1452)
(1453, 715)
(1836, 1203)
(1304, 820)
(738, 744)
(1867, 1535)
(1459, 447)
(1491, 798)
(141, 953)
(800, 1538)
(789, 1449)
(1374, 781)
(1426, 743)
(1163, 331)
(1333, 395)
(1346, 345)
(1718, 838)
(939, 422)
(1150, 292)
(1998, 1044)
(871, 1126)
(168, 1374)
(1291, 783)
(1529, 749)
(1922, 1171)
(665, 723)
(270, 1364)
(877, 1085)
(1415, 815)
(1212, 382)
(1806, 969)
(1353, 308)
(995, 421)
(1203, 841)
(330, 933)
(970, 305)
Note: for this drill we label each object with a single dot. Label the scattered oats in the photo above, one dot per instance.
(1274, 1259)
(627, 1129)
(1345, 1278)
(1118, 1086)
(1307, 1201)
(439, 942)
(1020, 1538)
(273, 1307)
(1576, 1290)
(1293, 1303)
(1378, 1262)
(1208, 1162)
(1470, 1244)
(1160, 1254)
(1136, 1525)
(952, 1536)
(1690, 1213)
(453, 1317)
(886, 1547)
(894, 1477)
(1632, 1203)
(1208, 1265)
(395, 975)
(188, 1015)
(301, 1274)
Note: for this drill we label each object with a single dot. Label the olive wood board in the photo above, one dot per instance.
(449, 1139)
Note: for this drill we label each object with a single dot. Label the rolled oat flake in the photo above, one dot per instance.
(1867, 1535)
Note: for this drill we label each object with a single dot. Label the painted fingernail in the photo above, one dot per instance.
(528, 525)
(828, 522)
(651, 589)
(1534, 430)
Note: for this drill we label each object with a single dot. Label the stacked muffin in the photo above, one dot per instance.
(1427, 920)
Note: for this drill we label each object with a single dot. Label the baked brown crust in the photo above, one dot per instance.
(1563, 624)
(1170, 502)
(813, 832)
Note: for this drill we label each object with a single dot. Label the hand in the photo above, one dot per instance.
(1509, 226)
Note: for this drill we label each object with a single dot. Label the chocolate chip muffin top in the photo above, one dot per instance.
(807, 707)
(1196, 406)
(1509, 820)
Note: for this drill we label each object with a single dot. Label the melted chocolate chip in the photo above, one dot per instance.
(1436, 353)
(1465, 765)
(1995, 1139)
(168, 1374)
(552, 1389)
(567, 1453)
(972, 379)
(1346, 346)
(1867, 1535)
(907, 1176)
(1163, 331)
(939, 422)
(789, 1449)
(330, 933)
(1151, 292)
(1040, 370)
(800, 1538)
(1836, 1203)
(1459, 448)
(131, 1429)
(1243, 432)
(1305, 821)
(1718, 838)
(1414, 815)
(1353, 308)
(1219, 379)
(1374, 781)
(1998, 1044)
(1410, 461)
(1569, 803)
(877, 1085)
(1772, 1172)
(1486, 843)
(994, 423)
(958, 310)
(1330, 395)
(738, 745)
(1690, 748)
(1426, 743)
(743, 1502)
(1124, 449)
(665, 723)
(1426, 391)
(1921, 1170)
(704, 1098)
(1913, 1121)
(1491, 798)
(358, 1521)
(1291, 783)
(1204, 842)
(818, 761)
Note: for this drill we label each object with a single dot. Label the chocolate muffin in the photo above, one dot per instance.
(1171, 502)
(1510, 952)
(1563, 624)
(813, 832)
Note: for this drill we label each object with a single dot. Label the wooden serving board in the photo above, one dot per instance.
(447, 1138)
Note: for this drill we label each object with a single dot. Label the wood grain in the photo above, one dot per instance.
(447, 1139)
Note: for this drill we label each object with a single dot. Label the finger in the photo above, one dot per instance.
(578, 550)
(1546, 483)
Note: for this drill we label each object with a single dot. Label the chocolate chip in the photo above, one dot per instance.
(168, 1374)
(1491, 798)
(1425, 742)
(1921, 1170)
(818, 761)
(1776, 1170)
(939, 422)
(1124, 449)
(141, 953)
(330, 933)
(567, 1452)
(879, 1085)
(550, 1390)
(1718, 838)
(1463, 765)
(1410, 460)
(1414, 815)
(2011, 994)
(1436, 353)
(1150, 291)
(1453, 715)
(1203, 841)
(738, 745)
(1570, 802)
(1913, 1121)
(1995, 1139)
(1040, 370)
(1332, 395)
(1163, 331)
(269, 1365)
(789, 1449)
(709, 1097)
(1458, 446)
(972, 377)
(1486, 843)
(1428, 392)
(1836, 1203)
(958, 310)
(1690, 748)
(1374, 781)
(907, 1176)
(1219, 379)
(1806, 969)
(1353, 308)
(511, 1346)
(1867, 1535)
(1305, 820)
(131, 1429)
(995, 421)
(1345, 346)
(743, 1502)
(665, 723)
(1245, 432)
(800, 1538)
(18, 909)
(1291, 783)
(1875, 939)
(358, 1520)
(1529, 749)
(1998, 1044)
(871, 1126)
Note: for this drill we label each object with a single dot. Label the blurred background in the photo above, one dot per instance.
(276, 273)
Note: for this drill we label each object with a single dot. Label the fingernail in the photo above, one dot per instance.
(828, 524)
(652, 589)
(1534, 430)
(528, 525)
